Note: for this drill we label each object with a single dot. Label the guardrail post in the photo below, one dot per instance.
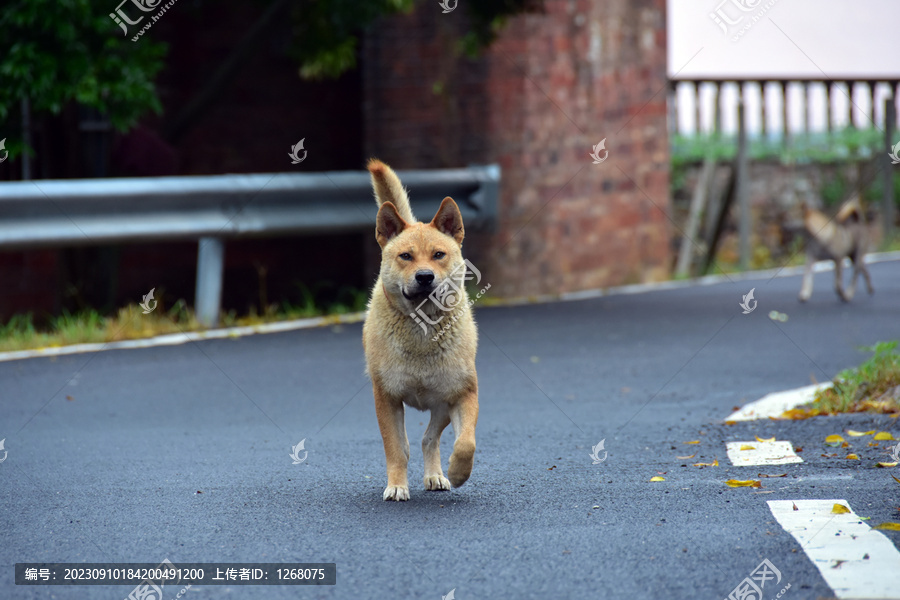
(210, 268)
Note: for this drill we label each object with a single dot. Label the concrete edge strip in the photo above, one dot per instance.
(641, 288)
(176, 339)
(774, 404)
(751, 454)
(855, 560)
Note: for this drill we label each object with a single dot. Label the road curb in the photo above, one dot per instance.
(176, 339)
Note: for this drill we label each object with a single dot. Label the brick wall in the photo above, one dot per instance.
(550, 87)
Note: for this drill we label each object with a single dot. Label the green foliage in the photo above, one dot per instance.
(488, 17)
(89, 326)
(325, 36)
(859, 389)
(58, 51)
(844, 145)
(847, 145)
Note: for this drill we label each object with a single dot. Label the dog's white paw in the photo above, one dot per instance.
(396, 492)
(436, 483)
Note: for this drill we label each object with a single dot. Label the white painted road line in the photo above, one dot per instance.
(773, 405)
(855, 560)
(761, 453)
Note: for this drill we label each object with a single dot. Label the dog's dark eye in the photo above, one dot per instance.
(439, 254)
(406, 256)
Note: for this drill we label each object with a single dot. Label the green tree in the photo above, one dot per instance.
(68, 50)
(71, 50)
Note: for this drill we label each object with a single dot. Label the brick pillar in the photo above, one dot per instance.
(550, 87)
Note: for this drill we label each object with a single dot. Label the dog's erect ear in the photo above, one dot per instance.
(388, 223)
(449, 220)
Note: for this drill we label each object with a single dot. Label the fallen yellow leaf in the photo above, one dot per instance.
(686, 457)
(715, 463)
(889, 525)
(872, 444)
(759, 439)
(747, 483)
(657, 478)
(852, 433)
(833, 440)
(852, 457)
(845, 445)
(747, 447)
(886, 464)
(839, 509)
(694, 442)
(883, 435)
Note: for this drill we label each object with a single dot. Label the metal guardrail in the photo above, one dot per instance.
(212, 209)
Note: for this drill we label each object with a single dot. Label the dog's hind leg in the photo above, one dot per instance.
(806, 288)
(431, 449)
(464, 415)
(396, 444)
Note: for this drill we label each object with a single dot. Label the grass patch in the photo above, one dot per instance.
(22, 333)
(873, 387)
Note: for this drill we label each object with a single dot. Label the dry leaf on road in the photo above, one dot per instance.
(747, 483)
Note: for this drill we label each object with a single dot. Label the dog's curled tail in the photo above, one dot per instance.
(388, 188)
(851, 210)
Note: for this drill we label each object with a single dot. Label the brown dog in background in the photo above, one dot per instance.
(833, 239)
(406, 364)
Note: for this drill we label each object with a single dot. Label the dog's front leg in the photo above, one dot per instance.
(851, 291)
(431, 449)
(839, 280)
(396, 444)
(464, 415)
(859, 263)
(806, 288)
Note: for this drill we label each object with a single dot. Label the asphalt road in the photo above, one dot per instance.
(183, 453)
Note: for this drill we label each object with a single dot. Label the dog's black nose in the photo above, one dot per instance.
(424, 277)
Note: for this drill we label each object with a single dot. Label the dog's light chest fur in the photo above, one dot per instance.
(412, 365)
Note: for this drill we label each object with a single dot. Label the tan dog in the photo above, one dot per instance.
(407, 362)
(844, 236)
